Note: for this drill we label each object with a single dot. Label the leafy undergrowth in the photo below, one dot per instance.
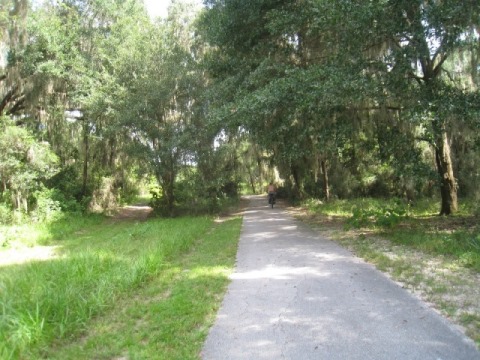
(437, 258)
(119, 290)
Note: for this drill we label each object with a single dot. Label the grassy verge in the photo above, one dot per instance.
(119, 290)
(437, 258)
(30, 234)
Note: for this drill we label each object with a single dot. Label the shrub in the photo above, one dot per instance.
(159, 203)
(47, 208)
(385, 216)
(5, 214)
(68, 190)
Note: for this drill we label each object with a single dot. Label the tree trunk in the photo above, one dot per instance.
(448, 185)
(85, 160)
(297, 182)
(252, 180)
(168, 181)
(262, 178)
(326, 186)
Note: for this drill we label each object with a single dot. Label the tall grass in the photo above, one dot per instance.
(462, 245)
(418, 208)
(97, 265)
(169, 317)
(413, 224)
(34, 233)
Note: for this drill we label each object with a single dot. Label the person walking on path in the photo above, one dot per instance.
(296, 295)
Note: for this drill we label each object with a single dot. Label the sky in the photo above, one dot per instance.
(159, 7)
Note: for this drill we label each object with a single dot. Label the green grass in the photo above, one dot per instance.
(30, 234)
(345, 208)
(462, 245)
(119, 289)
(415, 226)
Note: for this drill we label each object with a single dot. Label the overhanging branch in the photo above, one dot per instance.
(369, 108)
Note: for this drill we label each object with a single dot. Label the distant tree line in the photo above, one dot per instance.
(332, 99)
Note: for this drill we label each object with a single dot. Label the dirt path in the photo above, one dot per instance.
(133, 212)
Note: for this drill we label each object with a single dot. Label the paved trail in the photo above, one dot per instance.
(296, 295)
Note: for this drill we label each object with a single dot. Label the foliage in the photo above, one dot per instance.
(24, 163)
(361, 93)
(386, 216)
(26, 233)
(47, 209)
(190, 201)
(462, 245)
(5, 214)
(170, 313)
(66, 189)
(369, 213)
(335, 106)
(411, 224)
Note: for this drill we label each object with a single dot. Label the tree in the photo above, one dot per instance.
(157, 98)
(426, 35)
(12, 37)
(301, 65)
(25, 164)
(72, 60)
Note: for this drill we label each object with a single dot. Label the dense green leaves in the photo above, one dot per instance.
(24, 164)
(310, 79)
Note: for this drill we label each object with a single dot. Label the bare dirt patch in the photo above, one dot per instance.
(133, 213)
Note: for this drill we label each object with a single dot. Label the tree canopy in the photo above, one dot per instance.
(328, 99)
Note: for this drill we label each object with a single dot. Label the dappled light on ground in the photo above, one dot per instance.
(278, 273)
(297, 295)
(25, 255)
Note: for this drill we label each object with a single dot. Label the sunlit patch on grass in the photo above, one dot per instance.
(112, 289)
(28, 254)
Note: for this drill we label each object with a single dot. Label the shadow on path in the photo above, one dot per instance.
(296, 295)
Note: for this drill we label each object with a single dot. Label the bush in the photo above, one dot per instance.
(158, 203)
(47, 208)
(5, 214)
(68, 190)
(105, 196)
(385, 216)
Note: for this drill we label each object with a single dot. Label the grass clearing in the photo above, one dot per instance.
(436, 258)
(119, 289)
(32, 234)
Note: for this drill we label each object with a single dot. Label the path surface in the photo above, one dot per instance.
(296, 295)
(133, 212)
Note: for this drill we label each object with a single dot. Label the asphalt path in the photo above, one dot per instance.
(296, 295)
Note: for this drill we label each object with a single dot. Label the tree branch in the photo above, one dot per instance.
(449, 75)
(427, 140)
(7, 98)
(17, 106)
(419, 79)
(438, 67)
(368, 108)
